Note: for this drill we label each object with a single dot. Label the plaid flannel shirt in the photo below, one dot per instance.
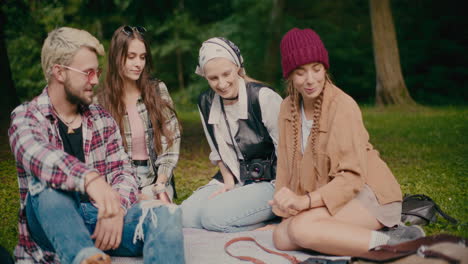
(41, 162)
(166, 161)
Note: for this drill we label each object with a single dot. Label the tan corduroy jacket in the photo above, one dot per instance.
(345, 159)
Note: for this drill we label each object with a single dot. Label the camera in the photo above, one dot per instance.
(257, 170)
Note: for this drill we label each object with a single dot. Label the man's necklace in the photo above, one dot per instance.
(68, 124)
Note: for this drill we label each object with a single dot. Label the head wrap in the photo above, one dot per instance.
(219, 48)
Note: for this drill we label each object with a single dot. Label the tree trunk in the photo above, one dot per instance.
(391, 88)
(180, 64)
(9, 99)
(99, 31)
(179, 55)
(274, 37)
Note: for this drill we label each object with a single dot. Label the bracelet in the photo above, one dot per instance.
(158, 188)
(310, 200)
(90, 181)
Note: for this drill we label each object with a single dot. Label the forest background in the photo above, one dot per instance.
(432, 40)
(423, 139)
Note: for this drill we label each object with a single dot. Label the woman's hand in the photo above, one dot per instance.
(289, 202)
(226, 187)
(228, 179)
(160, 193)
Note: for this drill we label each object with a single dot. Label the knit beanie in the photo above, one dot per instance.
(299, 47)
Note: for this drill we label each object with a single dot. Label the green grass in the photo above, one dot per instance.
(426, 148)
(194, 169)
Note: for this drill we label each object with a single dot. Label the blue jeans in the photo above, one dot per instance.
(58, 222)
(241, 209)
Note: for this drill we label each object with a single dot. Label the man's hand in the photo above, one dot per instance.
(107, 200)
(108, 232)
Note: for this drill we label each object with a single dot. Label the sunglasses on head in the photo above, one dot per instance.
(128, 30)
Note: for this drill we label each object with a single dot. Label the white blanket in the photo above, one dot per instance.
(205, 247)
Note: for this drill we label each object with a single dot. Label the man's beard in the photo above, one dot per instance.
(72, 98)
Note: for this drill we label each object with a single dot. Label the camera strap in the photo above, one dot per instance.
(229, 129)
(292, 259)
(232, 138)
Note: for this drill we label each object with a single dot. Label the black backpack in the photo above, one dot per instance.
(420, 209)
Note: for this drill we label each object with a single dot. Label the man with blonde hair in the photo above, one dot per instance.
(78, 194)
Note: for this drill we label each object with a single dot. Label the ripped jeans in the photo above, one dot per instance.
(58, 222)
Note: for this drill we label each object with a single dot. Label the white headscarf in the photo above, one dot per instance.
(219, 48)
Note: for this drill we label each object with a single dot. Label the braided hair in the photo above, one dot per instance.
(295, 102)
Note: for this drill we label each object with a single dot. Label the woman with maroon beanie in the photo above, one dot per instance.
(332, 189)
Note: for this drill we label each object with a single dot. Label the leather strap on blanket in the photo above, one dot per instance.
(292, 259)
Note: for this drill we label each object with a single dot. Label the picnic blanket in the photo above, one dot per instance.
(206, 247)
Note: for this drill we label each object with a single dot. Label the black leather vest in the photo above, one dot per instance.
(253, 138)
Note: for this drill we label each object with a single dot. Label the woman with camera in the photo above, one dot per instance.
(239, 116)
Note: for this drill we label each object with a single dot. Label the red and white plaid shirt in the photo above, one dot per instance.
(38, 149)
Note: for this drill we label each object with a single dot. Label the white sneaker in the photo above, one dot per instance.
(404, 233)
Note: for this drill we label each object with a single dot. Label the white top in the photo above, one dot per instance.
(270, 103)
(306, 128)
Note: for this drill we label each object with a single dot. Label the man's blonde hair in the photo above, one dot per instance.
(62, 44)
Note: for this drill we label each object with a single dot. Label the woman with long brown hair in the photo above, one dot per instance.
(143, 110)
(332, 189)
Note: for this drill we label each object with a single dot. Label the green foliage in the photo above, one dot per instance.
(178, 34)
(28, 80)
(432, 50)
(182, 33)
(24, 48)
(186, 100)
